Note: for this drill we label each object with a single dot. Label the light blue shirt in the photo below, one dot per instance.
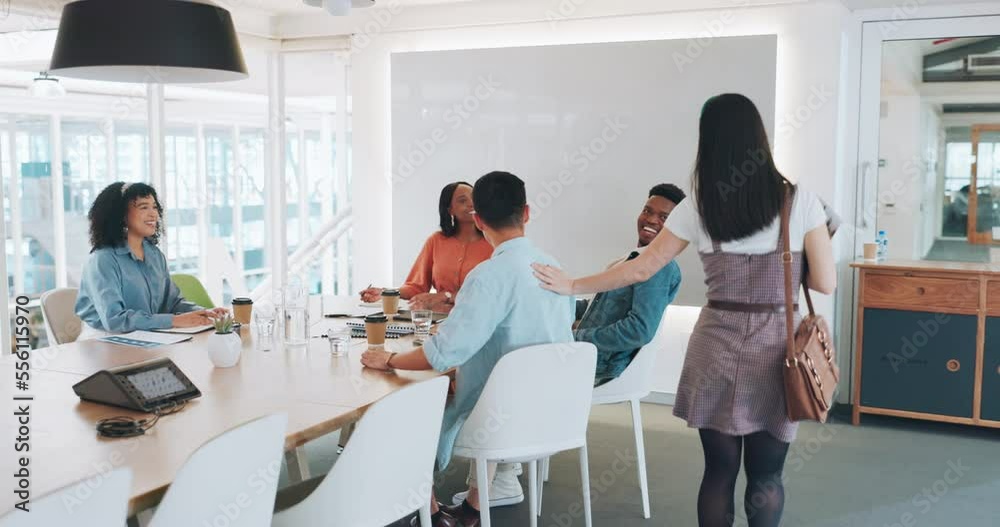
(500, 308)
(120, 293)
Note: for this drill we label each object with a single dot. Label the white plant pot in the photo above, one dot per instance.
(224, 349)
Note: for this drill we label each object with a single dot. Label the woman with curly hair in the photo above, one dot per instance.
(126, 283)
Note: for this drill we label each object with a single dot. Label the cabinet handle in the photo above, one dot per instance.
(953, 365)
(921, 290)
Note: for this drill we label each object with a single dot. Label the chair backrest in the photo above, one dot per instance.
(98, 501)
(62, 326)
(387, 468)
(637, 380)
(192, 290)
(537, 399)
(231, 480)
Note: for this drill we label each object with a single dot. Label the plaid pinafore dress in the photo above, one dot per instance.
(732, 381)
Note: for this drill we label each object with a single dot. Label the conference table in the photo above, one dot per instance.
(320, 394)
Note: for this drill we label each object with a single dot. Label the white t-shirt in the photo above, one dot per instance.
(807, 214)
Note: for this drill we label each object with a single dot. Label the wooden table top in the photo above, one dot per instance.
(319, 392)
(930, 265)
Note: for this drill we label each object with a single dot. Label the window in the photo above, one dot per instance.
(183, 199)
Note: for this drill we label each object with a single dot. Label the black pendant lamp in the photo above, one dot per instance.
(150, 41)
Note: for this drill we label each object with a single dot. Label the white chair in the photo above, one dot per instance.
(536, 403)
(634, 384)
(375, 481)
(62, 326)
(96, 502)
(230, 480)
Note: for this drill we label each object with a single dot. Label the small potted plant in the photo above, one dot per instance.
(224, 346)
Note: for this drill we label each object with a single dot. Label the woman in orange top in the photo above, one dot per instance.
(447, 257)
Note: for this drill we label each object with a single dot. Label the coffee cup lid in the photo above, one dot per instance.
(390, 292)
(242, 301)
(377, 317)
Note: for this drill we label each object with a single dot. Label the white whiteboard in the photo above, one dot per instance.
(589, 128)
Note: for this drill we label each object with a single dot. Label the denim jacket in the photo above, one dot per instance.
(621, 321)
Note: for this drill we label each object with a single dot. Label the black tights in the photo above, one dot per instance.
(765, 495)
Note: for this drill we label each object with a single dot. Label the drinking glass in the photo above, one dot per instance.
(422, 319)
(340, 340)
(263, 318)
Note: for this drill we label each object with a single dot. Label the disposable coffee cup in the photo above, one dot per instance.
(242, 309)
(871, 251)
(375, 329)
(390, 301)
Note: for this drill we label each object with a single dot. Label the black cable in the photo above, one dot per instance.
(124, 426)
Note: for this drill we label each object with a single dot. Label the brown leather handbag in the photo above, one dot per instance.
(811, 372)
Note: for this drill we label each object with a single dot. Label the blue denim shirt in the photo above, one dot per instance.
(120, 293)
(621, 321)
(500, 308)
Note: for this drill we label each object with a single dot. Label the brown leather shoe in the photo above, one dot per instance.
(464, 514)
(441, 519)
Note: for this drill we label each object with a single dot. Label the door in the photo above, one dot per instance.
(991, 371)
(984, 189)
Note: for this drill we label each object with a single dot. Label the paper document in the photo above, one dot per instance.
(145, 339)
(186, 331)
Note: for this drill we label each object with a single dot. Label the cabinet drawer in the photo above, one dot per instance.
(921, 292)
(919, 362)
(993, 297)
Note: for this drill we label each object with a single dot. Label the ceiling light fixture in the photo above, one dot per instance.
(339, 7)
(45, 87)
(150, 41)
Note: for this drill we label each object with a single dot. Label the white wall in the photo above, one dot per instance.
(590, 128)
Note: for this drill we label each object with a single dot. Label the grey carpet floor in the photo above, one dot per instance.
(886, 473)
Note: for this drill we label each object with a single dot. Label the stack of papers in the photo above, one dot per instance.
(186, 331)
(145, 339)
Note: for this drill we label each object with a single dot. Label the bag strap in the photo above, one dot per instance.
(786, 260)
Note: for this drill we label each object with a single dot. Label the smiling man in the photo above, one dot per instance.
(620, 322)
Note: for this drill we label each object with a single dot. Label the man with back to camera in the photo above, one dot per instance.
(500, 308)
(618, 322)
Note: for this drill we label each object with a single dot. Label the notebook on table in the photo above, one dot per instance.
(144, 339)
(404, 314)
(391, 329)
(186, 331)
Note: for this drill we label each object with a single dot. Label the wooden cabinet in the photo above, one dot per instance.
(928, 342)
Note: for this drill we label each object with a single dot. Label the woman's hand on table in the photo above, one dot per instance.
(553, 278)
(371, 294)
(376, 359)
(432, 301)
(217, 312)
(192, 319)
